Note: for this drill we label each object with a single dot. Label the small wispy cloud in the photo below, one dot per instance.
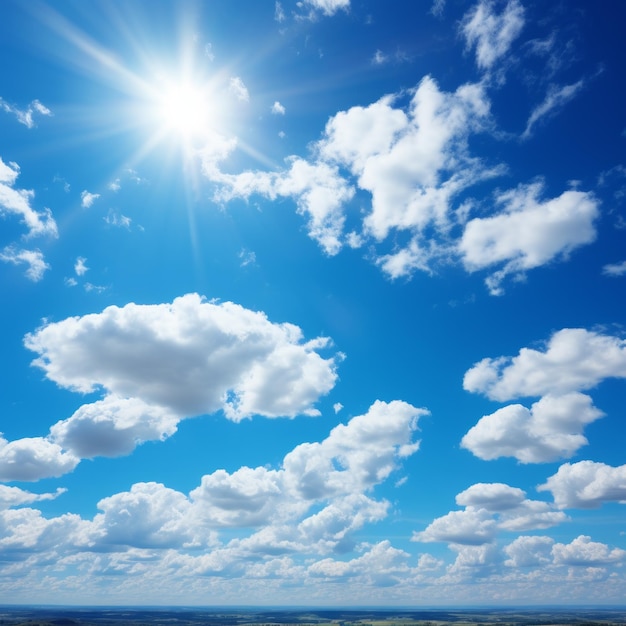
(80, 266)
(117, 219)
(614, 269)
(238, 88)
(279, 13)
(247, 257)
(556, 98)
(87, 199)
(278, 108)
(33, 259)
(25, 116)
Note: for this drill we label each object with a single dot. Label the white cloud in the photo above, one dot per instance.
(113, 427)
(379, 58)
(149, 516)
(25, 116)
(584, 552)
(80, 267)
(438, 7)
(14, 496)
(33, 458)
(33, 259)
(238, 88)
(586, 485)
(550, 430)
(17, 201)
(115, 185)
(614, 269)
(279, 13)
(328, 7)
(117, 219)
(556, 98)
(575, 359)
(247, 257)
(528, 233)
(337, 407)
(278, 108)
(491, 33)
(87, 199)
(489, 509)
(528, 551)
(189, 357)
(319, 191)
(414, 161)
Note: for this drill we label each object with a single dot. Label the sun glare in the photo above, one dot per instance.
(184, 111)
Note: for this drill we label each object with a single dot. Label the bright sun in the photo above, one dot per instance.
(184, 110)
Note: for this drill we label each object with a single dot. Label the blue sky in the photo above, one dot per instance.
(312, 302)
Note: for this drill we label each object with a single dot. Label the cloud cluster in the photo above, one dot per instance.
(18, 202)
(413, 161)
(158, 364)
(574, 360)
(489, 509)
(311, 504)
(25, 116)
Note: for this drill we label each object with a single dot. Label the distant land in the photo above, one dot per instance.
(302, 616)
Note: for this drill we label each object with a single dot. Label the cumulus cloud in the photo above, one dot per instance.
(550, 430)
(33, 458)
(36, 266)
(489, 509)
(17, 202)
(87, 199)
(526, 551)
(574, 359)
(586, 485)
(25, 116)
(528, 233)
(113, 427)
(280, 507)
(584, 552)
(413, 160)
(190, 357)
(492, 33)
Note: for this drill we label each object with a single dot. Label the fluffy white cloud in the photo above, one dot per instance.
(87, 199)
(413, 160)
(491, 33)
(551, 429)
(584, 552)
(586, 485)
(148, 516)
(25, 116)
(318, 189)
(17, 202)
(528, 551)
(575, 359)
(33, 259)
(189, 357)
(33, 458)
(113, 427)
(528, 233)
(382, 565)
(489, 509)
